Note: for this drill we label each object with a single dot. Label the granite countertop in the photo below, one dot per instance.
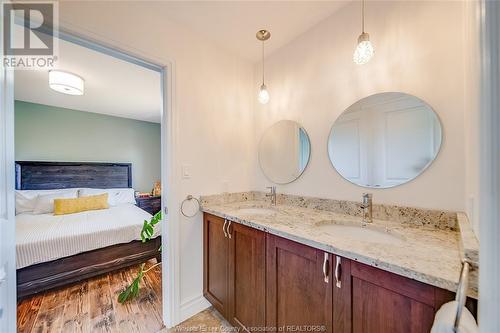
(421, 252)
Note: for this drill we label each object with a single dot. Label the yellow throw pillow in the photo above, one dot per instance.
(77, 205)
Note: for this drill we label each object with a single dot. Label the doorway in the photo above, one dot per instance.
(165, 106)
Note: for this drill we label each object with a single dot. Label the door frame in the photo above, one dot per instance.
(8, 319)
(489, 162)
(169, 169)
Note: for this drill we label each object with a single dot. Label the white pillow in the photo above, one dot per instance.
(26, 199)
(124, 196)
(45, 202)
(116, 196)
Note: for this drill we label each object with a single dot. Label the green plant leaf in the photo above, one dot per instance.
(132, 290)
(147, 232)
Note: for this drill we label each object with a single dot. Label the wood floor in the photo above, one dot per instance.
(92, 306)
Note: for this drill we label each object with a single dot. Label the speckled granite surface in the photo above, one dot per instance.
(419, 244)
(406, 215)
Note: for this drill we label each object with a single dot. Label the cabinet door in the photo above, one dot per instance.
(215, 260)
(247, 284)
(383, 302)
(297, 294)
(342, 321)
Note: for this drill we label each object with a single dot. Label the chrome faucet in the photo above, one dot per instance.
(367, 207)
(272, 194)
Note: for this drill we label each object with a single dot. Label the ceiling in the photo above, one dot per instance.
(112, 86)
(232, 24)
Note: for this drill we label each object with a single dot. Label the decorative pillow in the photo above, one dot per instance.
(45, 202)
(116, 196)
(26, 199)
(82, 204)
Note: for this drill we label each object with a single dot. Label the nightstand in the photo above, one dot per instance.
(152, 205)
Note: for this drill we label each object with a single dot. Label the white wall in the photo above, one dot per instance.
(418, 50)
(213, 99)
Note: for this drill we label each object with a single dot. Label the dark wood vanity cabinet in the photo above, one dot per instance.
(247, 276)
(297, 294)
(370, 300)
(389, 303)
(215, 263)
(234, 271)
(258, 280)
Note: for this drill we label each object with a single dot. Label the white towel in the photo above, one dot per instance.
(445, 319)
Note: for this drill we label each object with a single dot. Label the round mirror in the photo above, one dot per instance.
(284, 151)
(384, 140)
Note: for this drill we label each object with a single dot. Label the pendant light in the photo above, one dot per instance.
(263, 35)
(364, 50)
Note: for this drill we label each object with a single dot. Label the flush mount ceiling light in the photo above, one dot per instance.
(66, 83)
(263, 35)
(364, 50)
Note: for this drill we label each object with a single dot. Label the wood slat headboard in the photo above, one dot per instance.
(32, 175)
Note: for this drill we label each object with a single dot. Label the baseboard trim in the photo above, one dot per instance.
(192, 306)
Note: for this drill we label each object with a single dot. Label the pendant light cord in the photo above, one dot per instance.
(262, 62)
(363, 16)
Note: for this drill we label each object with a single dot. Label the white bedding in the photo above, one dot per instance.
(46, 237)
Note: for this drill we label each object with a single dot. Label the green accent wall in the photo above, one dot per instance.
(47, 133)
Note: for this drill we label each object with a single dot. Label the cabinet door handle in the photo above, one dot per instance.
(229, 231)
(224, 228)
(338, 272)
(326, 268)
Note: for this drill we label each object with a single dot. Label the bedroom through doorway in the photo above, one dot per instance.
(88, 150)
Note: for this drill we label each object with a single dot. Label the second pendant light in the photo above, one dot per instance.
(364, 51)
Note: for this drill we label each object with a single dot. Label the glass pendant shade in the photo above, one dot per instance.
(263, 35)
(364, 51)
(66, 83)
(263, 94)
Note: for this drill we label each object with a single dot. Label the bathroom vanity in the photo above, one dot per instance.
(294, 268)
(288, 263)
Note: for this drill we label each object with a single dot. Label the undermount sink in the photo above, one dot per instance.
(361, 232)
(256, 211)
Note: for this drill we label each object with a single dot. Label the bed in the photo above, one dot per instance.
(53, 251)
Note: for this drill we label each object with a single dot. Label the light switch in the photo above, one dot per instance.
(186, 171)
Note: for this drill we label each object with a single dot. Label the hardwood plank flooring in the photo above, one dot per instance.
(92, 306)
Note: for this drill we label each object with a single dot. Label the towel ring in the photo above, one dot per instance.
(463, 286)
(189, 198)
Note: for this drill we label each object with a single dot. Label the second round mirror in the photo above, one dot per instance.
(384, 140)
